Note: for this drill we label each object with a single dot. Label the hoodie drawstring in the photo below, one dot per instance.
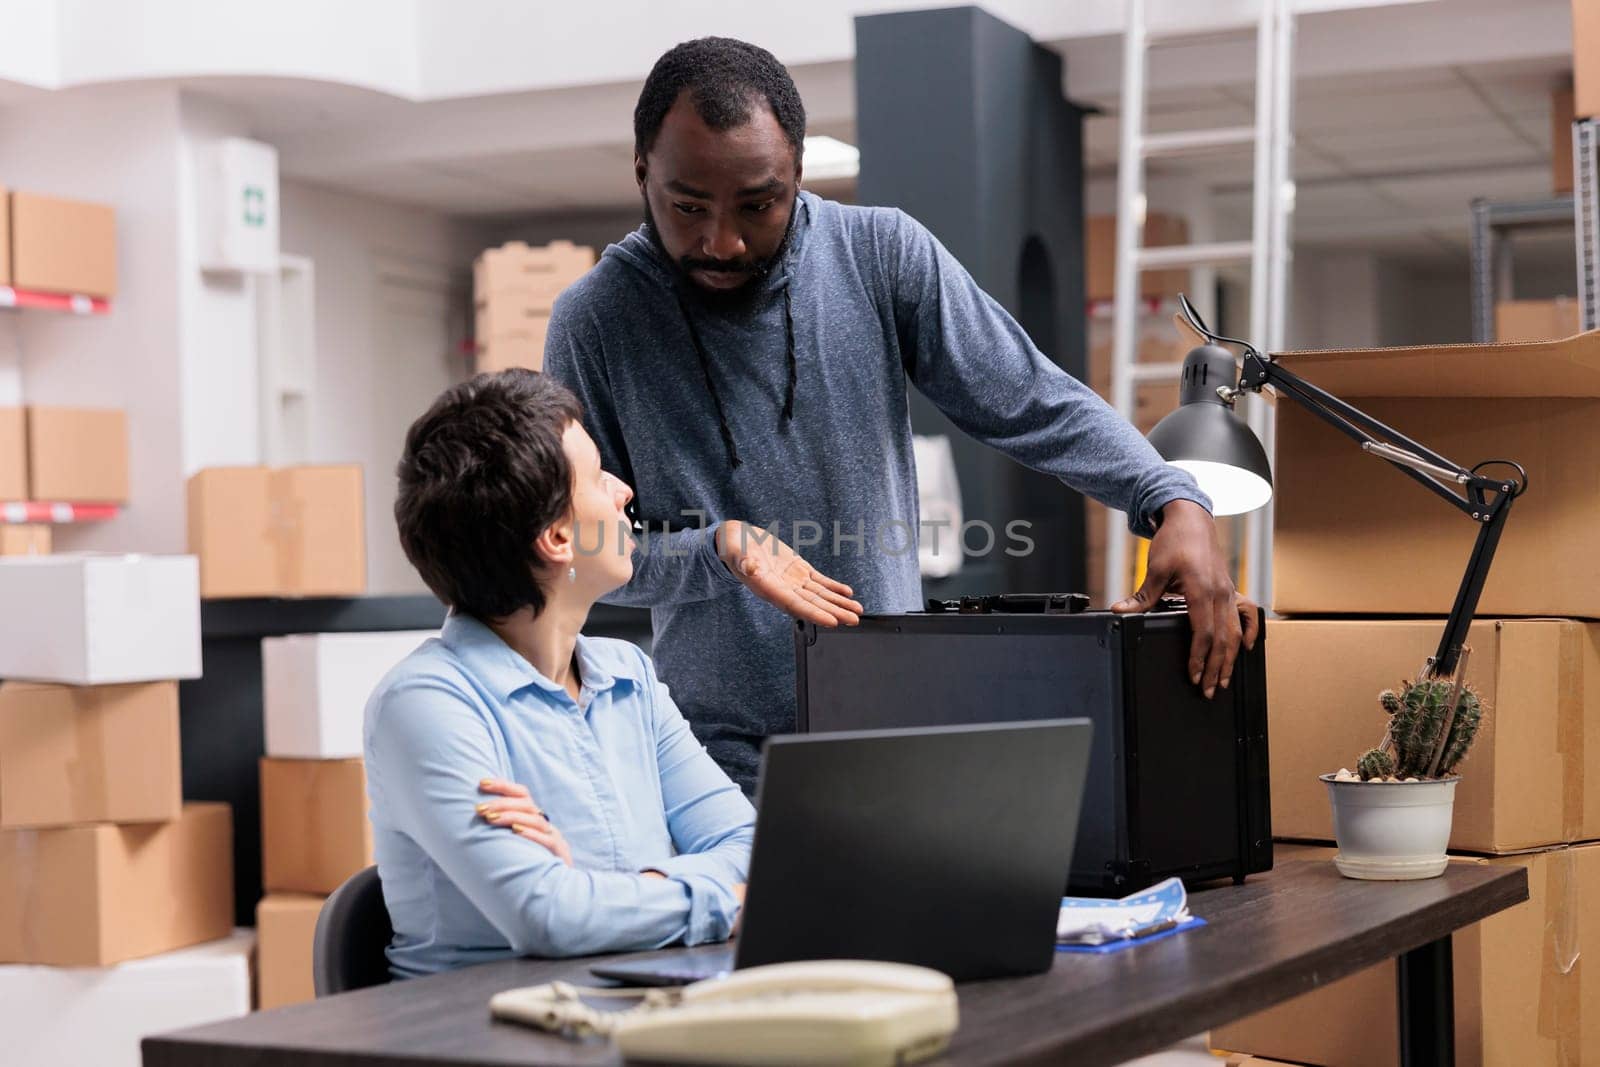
(711, 385)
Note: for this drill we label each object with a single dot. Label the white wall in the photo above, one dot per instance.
(119, 148)
(392, 298)
(217, 314)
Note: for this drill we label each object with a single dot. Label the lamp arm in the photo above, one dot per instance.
(1486, 500)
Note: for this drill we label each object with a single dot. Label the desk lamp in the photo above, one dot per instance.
(1204, 438)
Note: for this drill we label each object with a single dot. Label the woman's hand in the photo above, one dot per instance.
(515, 810)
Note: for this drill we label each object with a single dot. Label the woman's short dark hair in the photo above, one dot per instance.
(483, 473)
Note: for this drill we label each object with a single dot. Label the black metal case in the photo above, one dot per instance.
(1177, 785)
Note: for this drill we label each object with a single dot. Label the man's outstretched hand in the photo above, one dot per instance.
(1185, 559)
(777, 574)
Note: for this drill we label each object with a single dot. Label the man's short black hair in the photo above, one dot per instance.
(483, 474)
(724, 77)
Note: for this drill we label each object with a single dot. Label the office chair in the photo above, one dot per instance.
(353, 930)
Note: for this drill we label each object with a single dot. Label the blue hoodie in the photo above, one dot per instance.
(791, 408)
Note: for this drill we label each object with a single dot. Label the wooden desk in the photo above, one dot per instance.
(1277, 936)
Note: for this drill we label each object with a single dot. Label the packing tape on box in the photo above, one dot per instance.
(1571, 705)
(1560, 989)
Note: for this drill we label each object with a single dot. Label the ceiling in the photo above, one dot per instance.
(1384, 161)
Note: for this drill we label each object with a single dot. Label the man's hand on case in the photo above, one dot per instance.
(1186, 559)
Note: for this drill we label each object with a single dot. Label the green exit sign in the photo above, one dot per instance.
(255, 206)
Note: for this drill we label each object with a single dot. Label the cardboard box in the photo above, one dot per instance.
(1586, 58)
(231, 532)
(84, 619)
(1100, 256)
(78, 455)
(315, 688)
(324, 549)
(505, 318)
(314, 828)
(24, 540)
(538, 274)
(1518, 982)
(83, 754)
(295, 532)
(93, 895)
(96, 1016)
(1522, 785)
(286, 925)
(13, 454)
(1561, 119)
(5, 236)
(1537, 320)
(511, 350)
(1356, 536)
(63, 246)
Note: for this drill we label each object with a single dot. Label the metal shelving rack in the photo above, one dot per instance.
(1494, 222)
(1586, 217)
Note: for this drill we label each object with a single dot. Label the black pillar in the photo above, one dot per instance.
(961, 123)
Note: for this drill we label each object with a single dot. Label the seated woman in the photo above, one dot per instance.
(534, 791)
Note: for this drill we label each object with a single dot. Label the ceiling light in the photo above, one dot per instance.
(829, 159)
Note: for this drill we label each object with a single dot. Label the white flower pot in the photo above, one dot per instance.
(1391, 831)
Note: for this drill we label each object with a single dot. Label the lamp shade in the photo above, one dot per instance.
(1204, 438)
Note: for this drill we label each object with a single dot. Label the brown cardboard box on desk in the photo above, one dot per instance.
(1520, 998)
(1356, 536)
(100, 894)
(293, 532)
(314, 827)
(77, 455)
(87, 754)
(1522, 785)
(286, 925)
(63, 246)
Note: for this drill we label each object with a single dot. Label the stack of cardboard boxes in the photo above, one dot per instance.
(515, 288)
(289, 532)
(1366, 566)
(314, 827)
(101, 861)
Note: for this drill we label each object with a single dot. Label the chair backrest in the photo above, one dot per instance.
(353, 931)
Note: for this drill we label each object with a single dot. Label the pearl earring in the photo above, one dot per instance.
(572, 574)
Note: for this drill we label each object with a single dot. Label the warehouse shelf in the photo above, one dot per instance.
(35, 511)
(72, 303)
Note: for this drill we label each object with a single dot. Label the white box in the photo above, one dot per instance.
(315, 688)
(96, 1016)
(236, 190)
(88, 619)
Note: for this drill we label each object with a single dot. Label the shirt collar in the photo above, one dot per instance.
(496, 665)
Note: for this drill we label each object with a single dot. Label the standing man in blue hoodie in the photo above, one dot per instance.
(743, 359)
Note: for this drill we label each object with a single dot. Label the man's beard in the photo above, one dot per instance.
(757, 270)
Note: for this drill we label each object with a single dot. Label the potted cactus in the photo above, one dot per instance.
(1392, 814)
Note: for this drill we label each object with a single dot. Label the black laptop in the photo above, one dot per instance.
(945, 847)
